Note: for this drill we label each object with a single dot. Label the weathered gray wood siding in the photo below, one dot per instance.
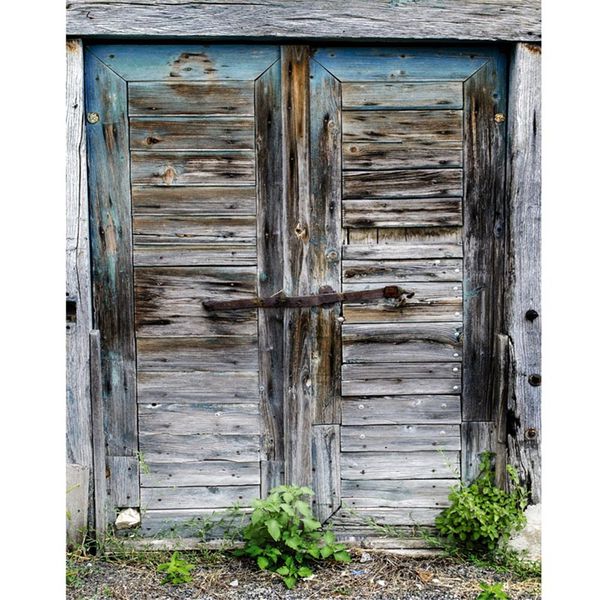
(523, 301)
(336, 19)
(78, 278)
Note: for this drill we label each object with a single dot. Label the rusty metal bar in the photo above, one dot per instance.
(326, 296)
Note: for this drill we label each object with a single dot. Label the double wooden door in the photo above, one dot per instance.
(239, 171)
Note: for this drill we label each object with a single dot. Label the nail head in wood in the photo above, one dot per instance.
(93, 117)
(535, 380)
(531, 315)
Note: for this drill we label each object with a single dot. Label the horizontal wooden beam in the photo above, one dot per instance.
(508, 20)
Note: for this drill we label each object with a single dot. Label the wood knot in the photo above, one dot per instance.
(301, 232)
(169, 175)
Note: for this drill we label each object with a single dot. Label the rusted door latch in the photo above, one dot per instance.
(326, 295)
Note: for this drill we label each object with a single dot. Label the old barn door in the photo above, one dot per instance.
(237, 172)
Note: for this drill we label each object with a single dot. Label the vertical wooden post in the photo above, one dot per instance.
(78, 279)
(522, 276)
(98, 440)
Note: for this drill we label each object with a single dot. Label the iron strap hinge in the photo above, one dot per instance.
(326, 295)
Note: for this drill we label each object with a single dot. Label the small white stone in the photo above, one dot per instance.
(365, 557)
(234, 583)
(381, 582)
(128, 519)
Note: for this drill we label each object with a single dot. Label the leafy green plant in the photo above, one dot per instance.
(285, 537)
(176, 571)
(493, 591)
(482, 516)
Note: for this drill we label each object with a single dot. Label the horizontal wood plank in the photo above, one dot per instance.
(169, 301)
(198, 497)
(177, 255)
(399, 251)
(380, 379)
(399, 465)
(402, 95)
(400, 342)
(197, 473)
(180, 200)
(221, 353)
(412, 154)
(192, 168)
(394, 517)
(399, 438)
(399, 410)
(402, 212)
(191, 98)
(197, 418)
(197, 386)
(431, 302)
(418, 493)
(371, 271)
(337, 19)
(182, 230)
(409, 128)
(403, 183)
(188, 133)
(164, 447)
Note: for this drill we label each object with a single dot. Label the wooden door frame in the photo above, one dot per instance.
(515, 425)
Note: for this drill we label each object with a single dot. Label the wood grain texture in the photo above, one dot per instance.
(180, 255)
(164, 447)
(77, 482)
(326, 470)
(124, 480)
(419, 493)
(402, 96)
(198, 386)
(400, 410)
(411, 127)
(411, 153)
(478, 437)
(193, 418)
(431, 302)
(371, 271)
(187, 62)
(522, 279)
(78, 269)
(192, 168)
(191, 98)
(380, 379)
(200, 473)
(342, 20)
(220, 353)
(346, 519)
(399, 465)
(399, 438)
(169, 301)
(421, 235)
(192, 133)
(269, 247)
(401, 250)
(195, 200)
(403, 212)
(483, 230)
(402, 183)
(112, 268)
(212, 497)
(98, 437)
(406, 342)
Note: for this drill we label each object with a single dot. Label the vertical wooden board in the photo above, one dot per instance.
(124, 481)
(326, 468)
(98, 438)
(483, 229)
(522, 279)
(112, 269)
(78, 276)
(325, 232)
(477, 437)
(269, 240)
(297, 278)
(77, 480)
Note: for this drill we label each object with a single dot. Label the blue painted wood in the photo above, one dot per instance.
(196, 62)
(401, 63)
(112, 269)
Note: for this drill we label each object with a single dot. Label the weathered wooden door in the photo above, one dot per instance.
(224, 172)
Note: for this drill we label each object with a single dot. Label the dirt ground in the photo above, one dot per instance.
(375, 576)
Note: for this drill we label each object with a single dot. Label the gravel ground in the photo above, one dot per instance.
(217, 577)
